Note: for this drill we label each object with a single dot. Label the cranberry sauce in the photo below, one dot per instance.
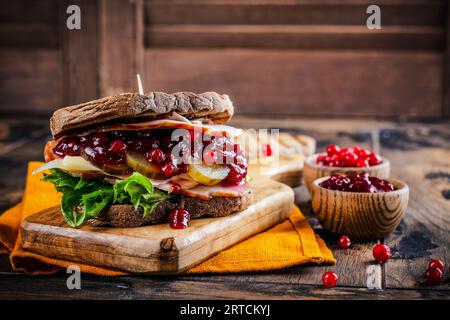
(361, 182)
(346, 157)
(109, 151)
(179, 218)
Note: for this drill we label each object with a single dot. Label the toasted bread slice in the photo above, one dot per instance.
(125, 216)
(210, 107)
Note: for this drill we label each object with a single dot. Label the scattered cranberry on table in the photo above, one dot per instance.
(381, 253)
(435, 272)
(179, 218)
(361, 182)
(344, 242)
(346, 157)
(330, 279)
(436, 263)
(434, 276)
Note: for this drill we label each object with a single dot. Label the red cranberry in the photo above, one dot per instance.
(333, 149)
(436, 263)
(168, 169)
(361, 153)
(156, 156)
(382, 253)
(434, 276)
(134, 144)
(349, 160)
(344, 242)
(362, 163)
(97, 154)
(209, 157)
(179, 218)
(67, 147)
(118, 146)
(322, 158)
(357, 183)
(343, 151)
(330, 279)
(267, 150)
(236, 175)
(374, 159)
(98, 139)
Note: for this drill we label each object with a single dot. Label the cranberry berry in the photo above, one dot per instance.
(361, 182)
(330, 279)
(346, 157)
(382, 253)
(434, 276)
(168, 169)
(436, 263)
(118, 146)
(344, 242)
(333, 149)
(67, 147)
(179, 218)
(155, 156)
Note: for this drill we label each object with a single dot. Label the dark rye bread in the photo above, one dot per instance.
(125, 216)
(210, 107)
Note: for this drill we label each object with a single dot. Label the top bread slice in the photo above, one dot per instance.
(209, 107)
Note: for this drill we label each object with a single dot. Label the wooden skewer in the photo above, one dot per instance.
(140, 87)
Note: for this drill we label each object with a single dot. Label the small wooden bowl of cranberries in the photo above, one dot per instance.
(344, 161)
(361, 206)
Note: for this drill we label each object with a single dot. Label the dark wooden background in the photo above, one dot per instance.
(300, 57)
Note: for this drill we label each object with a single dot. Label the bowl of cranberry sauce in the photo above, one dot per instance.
(359, 205)
(344, 161)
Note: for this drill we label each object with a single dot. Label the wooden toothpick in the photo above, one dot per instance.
(140, 87)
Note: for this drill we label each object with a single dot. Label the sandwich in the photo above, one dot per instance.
(132, 159)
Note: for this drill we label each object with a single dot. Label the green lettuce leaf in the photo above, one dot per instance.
(85, 199)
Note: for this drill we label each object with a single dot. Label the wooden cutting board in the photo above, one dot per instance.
(157, 248)
(288, 168)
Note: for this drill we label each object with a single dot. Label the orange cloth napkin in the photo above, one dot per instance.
(289, 243)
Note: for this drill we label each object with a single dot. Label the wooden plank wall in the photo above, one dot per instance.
(284, 57)
(301, 57)
(30, 58)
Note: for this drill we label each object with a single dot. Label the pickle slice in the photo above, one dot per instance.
(208, 175)
(138, 162)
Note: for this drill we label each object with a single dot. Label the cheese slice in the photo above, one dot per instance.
(69, 163)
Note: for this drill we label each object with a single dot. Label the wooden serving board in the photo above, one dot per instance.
(157, 248)
(293, 150)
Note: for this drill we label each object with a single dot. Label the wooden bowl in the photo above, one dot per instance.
(360, 215)
(313, 171)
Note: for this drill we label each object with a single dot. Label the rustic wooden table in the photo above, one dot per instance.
(419, 154)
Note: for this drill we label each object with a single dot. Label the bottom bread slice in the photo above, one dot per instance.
(125, 216)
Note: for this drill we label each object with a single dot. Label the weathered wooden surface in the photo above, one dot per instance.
(419, 154)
